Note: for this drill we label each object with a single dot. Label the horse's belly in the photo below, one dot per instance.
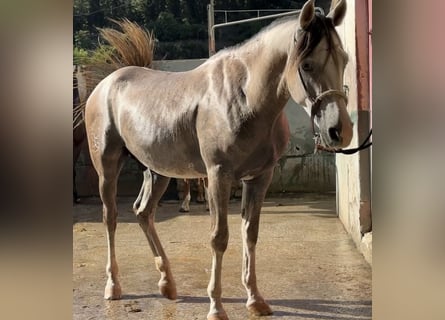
(163, 143)
(185, 169)
(170, 160)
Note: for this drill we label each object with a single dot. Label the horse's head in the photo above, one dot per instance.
(314, 71)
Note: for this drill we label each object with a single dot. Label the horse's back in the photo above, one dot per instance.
(137, 87)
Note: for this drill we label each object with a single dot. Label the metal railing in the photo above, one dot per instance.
(212, 26)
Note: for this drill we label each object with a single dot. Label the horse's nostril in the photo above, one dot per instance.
(334, 134)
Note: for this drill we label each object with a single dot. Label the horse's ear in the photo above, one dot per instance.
(307, 14)
(338, 11)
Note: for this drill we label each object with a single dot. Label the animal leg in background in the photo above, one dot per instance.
(201, 196)
(79, 137)
(185, 206)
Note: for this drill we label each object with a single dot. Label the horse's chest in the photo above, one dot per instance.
(260, 156)
(254, 163)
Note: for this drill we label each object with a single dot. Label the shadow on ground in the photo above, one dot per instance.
(90, 209)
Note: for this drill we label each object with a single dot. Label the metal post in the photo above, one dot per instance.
(211, 30)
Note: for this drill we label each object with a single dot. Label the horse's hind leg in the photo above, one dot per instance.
(144, 208)
(254, 192)
(108, 166)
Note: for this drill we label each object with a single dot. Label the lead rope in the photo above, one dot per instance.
(365, 144)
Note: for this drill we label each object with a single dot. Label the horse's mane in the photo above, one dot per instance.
(258, 36)
(320, 27)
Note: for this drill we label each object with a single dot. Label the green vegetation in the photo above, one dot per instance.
(80, 56)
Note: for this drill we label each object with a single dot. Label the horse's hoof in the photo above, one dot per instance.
(183, 210)
(259, 308)
(218, 316)
(113, 292)
(167, 289)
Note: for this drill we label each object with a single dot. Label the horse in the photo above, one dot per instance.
(223, 120)
(79, 132)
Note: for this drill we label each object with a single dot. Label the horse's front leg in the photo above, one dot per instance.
(254, 192)
(144, 208)
(219, 192)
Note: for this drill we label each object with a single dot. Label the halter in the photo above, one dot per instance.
(315, 108)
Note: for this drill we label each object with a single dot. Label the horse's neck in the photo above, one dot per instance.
(266, 57)
(270, 44)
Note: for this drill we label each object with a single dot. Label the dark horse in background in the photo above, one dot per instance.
(79, 134)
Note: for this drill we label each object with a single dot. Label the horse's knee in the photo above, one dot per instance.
(143, 218)
(220, 239)
(109, 217)
(252, 237)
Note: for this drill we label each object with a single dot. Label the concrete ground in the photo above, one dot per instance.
(307, 265)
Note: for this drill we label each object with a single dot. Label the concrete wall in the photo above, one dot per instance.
(299, 170)
(353, 171)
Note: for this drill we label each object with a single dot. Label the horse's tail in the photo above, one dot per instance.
(132, 46)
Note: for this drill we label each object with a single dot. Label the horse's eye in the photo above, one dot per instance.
(306, 66)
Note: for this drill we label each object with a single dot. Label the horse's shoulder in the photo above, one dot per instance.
(232, 62)
(228, 68)
(237, 67)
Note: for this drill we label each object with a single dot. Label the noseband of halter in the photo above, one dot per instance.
(316, 103)
(315, 109)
